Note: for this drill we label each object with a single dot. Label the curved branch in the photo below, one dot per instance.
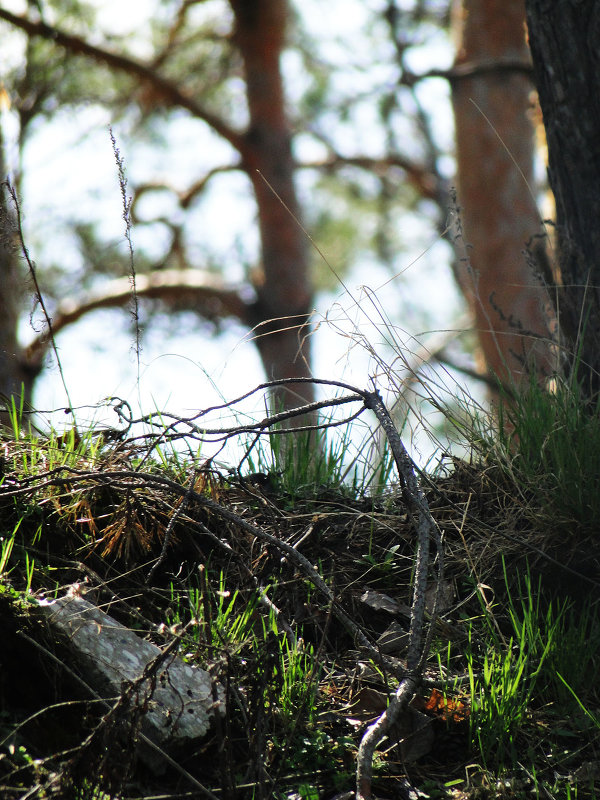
(165, 89)
(186, 289)
(184, 197)
(189, 195)
(426, 529)
(146, 188)
(421, 178)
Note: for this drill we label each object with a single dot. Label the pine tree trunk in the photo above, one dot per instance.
(497, 213)
(564, 38)
(16, 379)
(284, 294)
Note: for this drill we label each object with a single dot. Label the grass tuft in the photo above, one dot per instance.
(548, 444)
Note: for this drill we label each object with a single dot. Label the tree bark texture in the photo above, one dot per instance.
(564, 38)
(16, 375)
(284, 296)
(497, 213)
(176, 702)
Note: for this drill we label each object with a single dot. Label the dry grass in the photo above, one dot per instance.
(103, 518)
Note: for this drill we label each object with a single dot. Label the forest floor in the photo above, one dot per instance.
(508, 704)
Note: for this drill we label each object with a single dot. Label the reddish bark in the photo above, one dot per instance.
(495, 160)
(284, 296)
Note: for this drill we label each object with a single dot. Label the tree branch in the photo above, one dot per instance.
(185, 289)
(184, 197)
(426, 529)
(165, 89)
(471, 69)
(419, 177)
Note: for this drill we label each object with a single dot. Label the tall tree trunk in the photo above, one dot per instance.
(16, 378)
(284, 295)
(495, 160)
(564, 38)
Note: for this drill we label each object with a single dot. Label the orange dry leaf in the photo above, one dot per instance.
(446, 708)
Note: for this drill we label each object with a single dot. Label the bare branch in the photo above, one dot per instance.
(185, 197)
(200, 291)
(417, 650)
(164, 89)
(420, 177)
(375, 733)
(471, 69)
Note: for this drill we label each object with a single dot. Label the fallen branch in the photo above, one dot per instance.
(426, 529)
(174, 701)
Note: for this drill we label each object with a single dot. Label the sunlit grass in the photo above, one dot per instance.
(547, 443)
(515, 665)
